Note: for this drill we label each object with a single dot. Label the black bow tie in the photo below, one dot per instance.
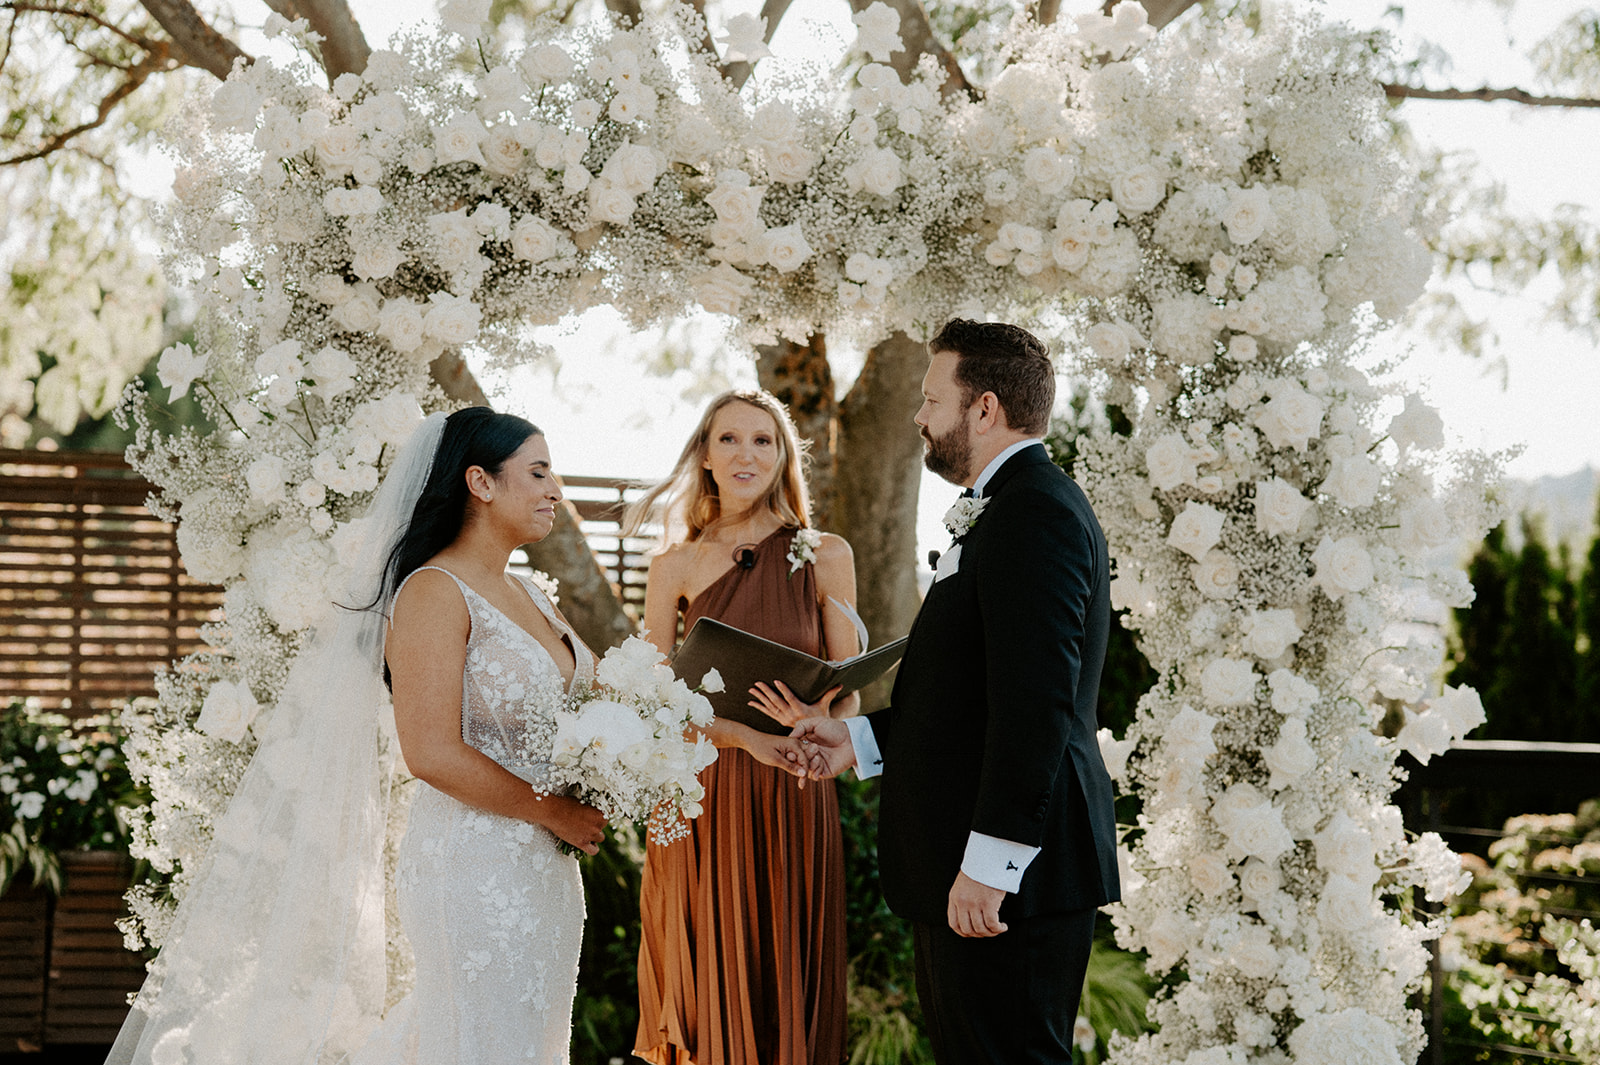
(970, 493)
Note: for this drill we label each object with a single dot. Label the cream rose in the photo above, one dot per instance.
(400, 323)
(1170, 462)
(1291, 756)
(785, 248)
(610, 203)
(1259, 879)
(1343, 566)
(1291, 417)
(1269, 633)
(1209, 874)
(737, 206)
(1248, 213)
(547, 63)
(1216, 575)
(265, 478)
(695, 140)
(534, 240)
(1196, 530)
(1353, 481)
(1424, 525)
(502, 152)
(228, 709)
(1345, 906)
(1280, 508)
(722, 289)
(1228, 682)
(458, 140)
(789, 164)
(1138, 190)
(452, 320)
(633, 168)
(1253, 953)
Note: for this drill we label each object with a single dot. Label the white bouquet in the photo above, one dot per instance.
(623, 745)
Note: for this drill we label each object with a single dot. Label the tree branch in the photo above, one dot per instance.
(88, 16)
(344, 46)
(916, 32)
(1485, 94)
(157, 59)
(198, 44)
(628, 10)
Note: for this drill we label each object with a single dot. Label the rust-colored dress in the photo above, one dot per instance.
(742, 956)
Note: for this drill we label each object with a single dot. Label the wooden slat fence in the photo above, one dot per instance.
(94, 597)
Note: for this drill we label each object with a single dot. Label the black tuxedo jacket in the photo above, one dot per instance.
(991, 724)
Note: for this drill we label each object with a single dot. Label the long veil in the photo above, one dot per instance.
(277, 951)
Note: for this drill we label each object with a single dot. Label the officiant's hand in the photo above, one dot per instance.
(785, 708)
(826, 741)
(974, 909)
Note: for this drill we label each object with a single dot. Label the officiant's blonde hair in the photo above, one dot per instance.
(686, 504)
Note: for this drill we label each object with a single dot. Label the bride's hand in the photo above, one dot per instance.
(783, 706)
(780, 752)
(575, 822)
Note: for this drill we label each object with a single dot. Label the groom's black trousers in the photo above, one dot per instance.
(1009, 999)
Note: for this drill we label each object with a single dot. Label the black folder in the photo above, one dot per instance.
(743, 658)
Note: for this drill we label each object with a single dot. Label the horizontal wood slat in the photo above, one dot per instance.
(93, 594)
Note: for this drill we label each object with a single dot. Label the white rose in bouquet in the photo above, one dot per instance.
(1209, 874)
(1187, 737)
(785, 248)
(400, 322)
(1259, 879)
(1248, 213)
(1345, 906)
(458, 140)
(451, 319)
(1216, 575)
(1462, 707)
(547, 63)
(1291, 756)
(1424, 524)
(1292, 694)
(1291, 417)
(1170, 462)
(1349, 1035)
(1353, 481)
(1138, 190)
(1345, 848)
(1253, 954)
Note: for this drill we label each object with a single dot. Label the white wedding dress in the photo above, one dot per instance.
(492, 908)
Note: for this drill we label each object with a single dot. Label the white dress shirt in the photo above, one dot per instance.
(997, 863)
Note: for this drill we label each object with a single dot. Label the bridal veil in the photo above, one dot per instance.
(277, 951)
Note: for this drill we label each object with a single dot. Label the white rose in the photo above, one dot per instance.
(333, 371)
(789, 163)
(1424, 525)
(378, 260)
(1259, 832)
(722, 289)
(1196, 530)
(785, 248)
(1110, 343)
(502, 152)
(1343, 566)
(1291, 756)
(1114, 752)
(774, 123)
(236, 103)
(737, 206)
(455, 238)
(1243, 348)
(1187, 737)
(1253, 953)
(1269, 633)
(1462, 707)
(534, 240)
(1138, 190)
(1345, 905)
(1228, 682)
(1353, 481)
(634, 103)
(1426, 734)
(400, 323)
(1259, 879)
(1345, 848)
(1047, 168)
(1280, 508)
(1292, 694)
(633, 167)
(1169, 937)
(465, 17)
(452, 320)
(610, 203)
(265, 478)
(1170, 462)
(881, 173)
(1349, 1035)
(1248, 213)
(1291, 417)
(547, 63)
(1418, 426)
(1209, 874)
(458, 139)
(1216, 575)
(227, 711)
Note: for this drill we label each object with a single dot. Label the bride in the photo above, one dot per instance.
(277, 953)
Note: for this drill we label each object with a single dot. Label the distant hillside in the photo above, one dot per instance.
(1565, 503)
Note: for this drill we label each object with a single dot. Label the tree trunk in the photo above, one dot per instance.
(1158, 12)
(587, 598)
(879, 469)
(799, 375)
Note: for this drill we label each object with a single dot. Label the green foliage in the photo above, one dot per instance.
(1116, 991)
(62, 785)
(1522, 978)
(606, 1013)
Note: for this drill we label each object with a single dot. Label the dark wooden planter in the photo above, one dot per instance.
(64, 975)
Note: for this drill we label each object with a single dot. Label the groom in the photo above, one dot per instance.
(996, 834)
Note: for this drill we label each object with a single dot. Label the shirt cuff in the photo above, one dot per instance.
(997, 863)
(869, 760)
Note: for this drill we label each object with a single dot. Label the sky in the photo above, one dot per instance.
(1535, 390)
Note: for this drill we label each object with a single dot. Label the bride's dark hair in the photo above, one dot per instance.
(473, 436)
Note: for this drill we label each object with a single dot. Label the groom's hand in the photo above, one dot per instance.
(827, 741)
(974, 909)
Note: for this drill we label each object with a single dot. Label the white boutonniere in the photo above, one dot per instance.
(961, 517)
(803, 548)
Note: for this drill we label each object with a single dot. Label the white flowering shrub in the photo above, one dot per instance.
(1214, 215)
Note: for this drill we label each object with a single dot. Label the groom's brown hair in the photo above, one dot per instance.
(1006, 360)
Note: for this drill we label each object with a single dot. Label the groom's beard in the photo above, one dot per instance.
(950, 455)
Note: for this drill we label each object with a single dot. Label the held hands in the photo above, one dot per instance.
(574, 822)
(780, 752)
(974, 909)
(826, 743)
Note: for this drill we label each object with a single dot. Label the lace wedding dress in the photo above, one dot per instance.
(492, 908)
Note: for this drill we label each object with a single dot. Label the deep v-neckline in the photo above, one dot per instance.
(562, 632)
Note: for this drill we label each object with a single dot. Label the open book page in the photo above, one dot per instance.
(743, 659)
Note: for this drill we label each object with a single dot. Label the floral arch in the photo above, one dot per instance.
(1214, 218)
